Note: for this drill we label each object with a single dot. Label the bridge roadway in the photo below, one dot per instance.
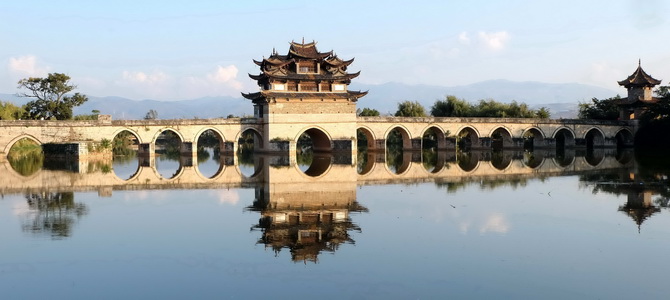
(283, 174)
(481, 133)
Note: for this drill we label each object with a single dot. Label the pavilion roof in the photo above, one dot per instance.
(307, 51)
(262, 95)
(639, 78)
(297, 76)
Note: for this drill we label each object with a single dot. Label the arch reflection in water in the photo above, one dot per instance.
(210, 162)
(26, 157)
(126, 166)
(168, 154)
(248, 164)
(314, 164)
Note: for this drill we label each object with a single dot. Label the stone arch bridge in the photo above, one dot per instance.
(477, 133)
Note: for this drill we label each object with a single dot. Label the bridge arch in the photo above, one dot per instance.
(217, 133)
(533, 137)
(624, 138)
(468, 136)
(258, 137)
(369, 136)
(501, 137)
(129, 130)
(440, 136)
(18, 138)
(162, 130)
(404, 134)
(564, 137)
(321, 140)
(594, 138)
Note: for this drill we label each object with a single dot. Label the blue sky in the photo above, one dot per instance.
(169, 50)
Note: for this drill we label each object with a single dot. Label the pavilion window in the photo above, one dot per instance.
(308, 87)
(308, 68)
(339, 87)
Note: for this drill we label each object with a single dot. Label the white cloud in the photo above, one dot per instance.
(26, 66)
(222, 81)
(495, 223)
(231, 197)
(463, 38)
(487, 223)
(494, 40)
(223, 74)
(156, 84)
(141, 77)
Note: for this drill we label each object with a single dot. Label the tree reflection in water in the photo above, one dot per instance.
(53, 214)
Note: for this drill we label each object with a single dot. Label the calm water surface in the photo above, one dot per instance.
(479, 225)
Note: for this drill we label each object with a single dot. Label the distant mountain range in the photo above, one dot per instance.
(561, 99)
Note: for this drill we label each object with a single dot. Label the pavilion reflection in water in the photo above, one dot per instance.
(304, 214)
(646, 192)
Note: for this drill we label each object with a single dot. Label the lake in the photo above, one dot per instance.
(413, 225)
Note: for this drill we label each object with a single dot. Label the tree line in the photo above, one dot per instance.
(452, 106)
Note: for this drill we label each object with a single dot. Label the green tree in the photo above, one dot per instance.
(151, 115)
(50, 93)
(93, 116)
(605, 109)
(455, 107)
(658, 112)
(410, 109)
(451, 107)
(9, 111)
(368, 112)
(542, 113)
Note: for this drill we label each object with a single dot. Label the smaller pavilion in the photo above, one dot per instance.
(640, 94)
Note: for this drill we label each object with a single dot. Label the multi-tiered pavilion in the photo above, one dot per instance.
(640, 94)
(300, 90)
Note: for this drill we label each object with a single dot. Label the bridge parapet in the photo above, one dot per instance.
(476, 133)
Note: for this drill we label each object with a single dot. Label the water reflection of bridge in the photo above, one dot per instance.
(372, 168)
(308, 210)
